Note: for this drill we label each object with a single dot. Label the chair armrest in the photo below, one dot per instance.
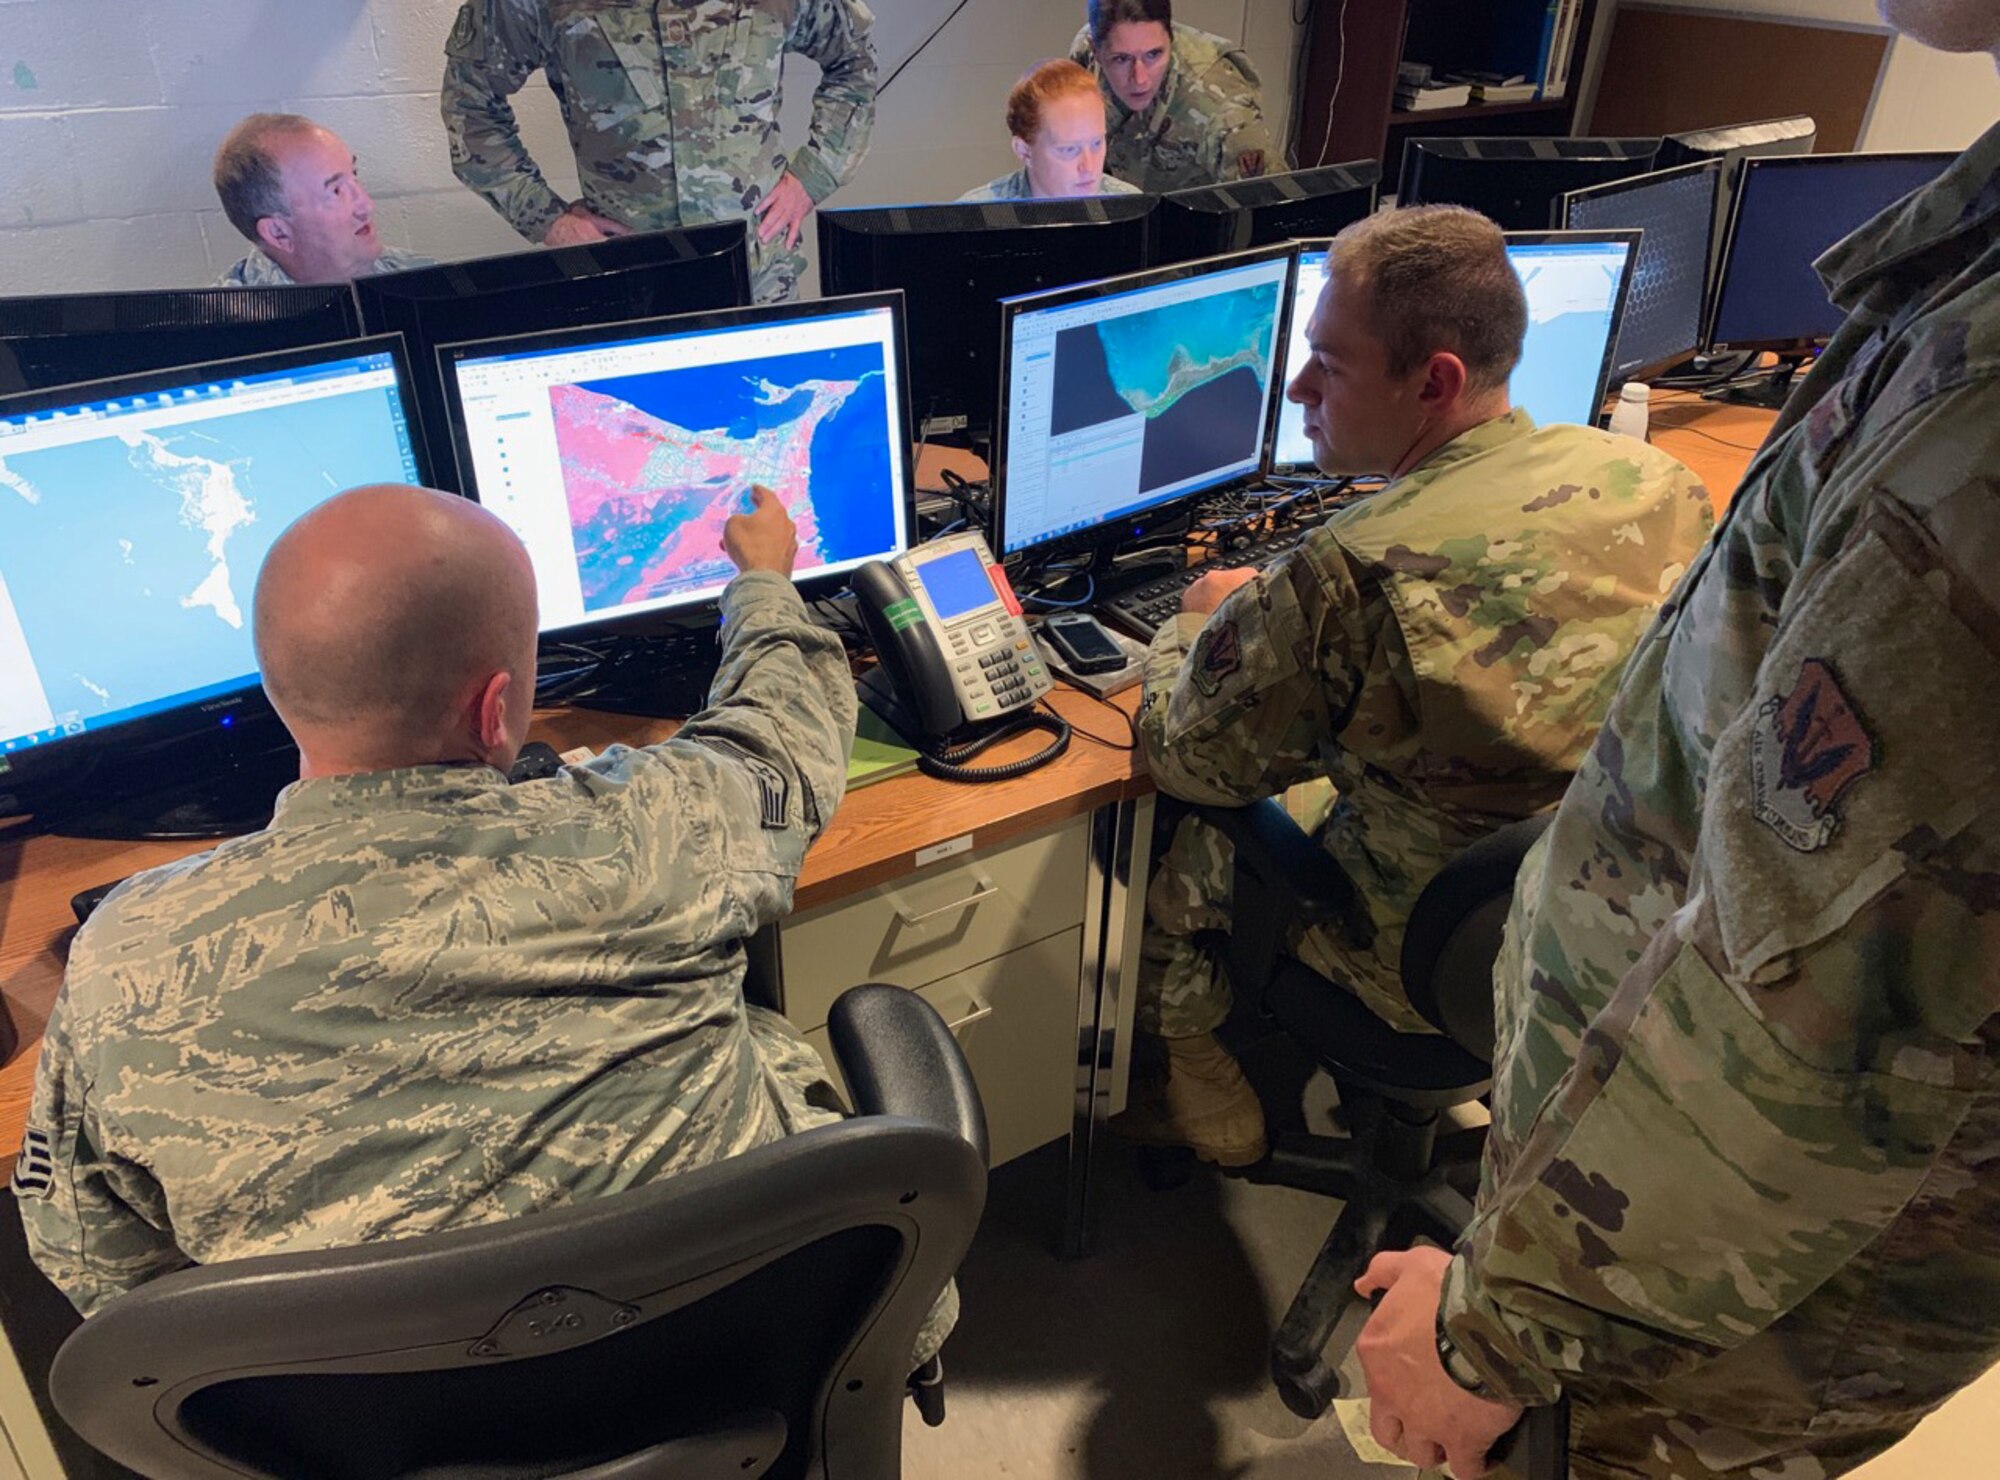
(900, 1059)
(1305, 882)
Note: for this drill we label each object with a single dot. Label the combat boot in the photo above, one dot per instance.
(1204, 1103)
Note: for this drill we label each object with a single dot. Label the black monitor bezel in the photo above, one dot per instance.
(1272, 467)
(35, 769)
(1781, 162)
(1198, 202)
(150, 311)
(1012, 308)
(947, 219)
(398, 302)
(1569, 149)
(1714, 165)
(1628, 234)
(678, 619)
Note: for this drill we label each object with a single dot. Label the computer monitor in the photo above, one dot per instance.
(621, 280)
(1517, 182)
(70, 338)
(955, 263)
(1127, 397)
(1209, 220)
(1676, 211)
(1787, 212)
(135, 514)
(617, 453)
(1577, 284)
(1732, 144)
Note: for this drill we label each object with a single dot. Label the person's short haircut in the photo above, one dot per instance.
(246, 177)
(1101, 16)
(1437, 278)
(1040, 86)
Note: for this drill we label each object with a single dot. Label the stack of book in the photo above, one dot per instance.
(1418, 92)
(1497, 87)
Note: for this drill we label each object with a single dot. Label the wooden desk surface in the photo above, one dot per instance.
(872, 839)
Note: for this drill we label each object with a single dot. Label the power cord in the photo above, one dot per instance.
(1131, 727)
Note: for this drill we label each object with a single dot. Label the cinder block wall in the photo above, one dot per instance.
(110, 111)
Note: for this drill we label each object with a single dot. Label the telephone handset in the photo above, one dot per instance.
(962, 671)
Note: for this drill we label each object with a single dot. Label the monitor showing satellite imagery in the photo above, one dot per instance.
(618, 460)
(1125, 400)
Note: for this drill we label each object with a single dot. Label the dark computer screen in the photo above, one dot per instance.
(70, 338)
(1135, 393)
(1732, 144)
(954, 263)
(1577, 286)
(645, 276)
(1676, 211)
(1517, 182)
(1210, 220)
(135, 514)
(618, 453)
(1787, 212)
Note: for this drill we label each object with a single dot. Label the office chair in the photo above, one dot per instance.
(1399, 1176)
(751, 1318)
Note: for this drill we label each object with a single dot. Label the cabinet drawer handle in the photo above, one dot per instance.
(984, 891)
(979, 1010)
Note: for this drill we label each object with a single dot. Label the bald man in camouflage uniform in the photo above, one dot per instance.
(672, 111)
(1442, 652)
(1742, 1197)
(423, 998)
(1196, 118)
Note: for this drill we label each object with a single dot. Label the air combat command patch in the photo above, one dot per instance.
(1808, 750)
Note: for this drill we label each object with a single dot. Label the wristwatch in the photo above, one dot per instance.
(1456, 1366)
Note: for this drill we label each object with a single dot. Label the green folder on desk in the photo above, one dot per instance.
(878, 752)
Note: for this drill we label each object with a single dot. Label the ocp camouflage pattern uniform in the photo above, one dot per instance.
(1206, 126)
(672, 109)
(1018, 186)
(1443, 652)
(1743, 1192)
(423, 999)
(257, 269)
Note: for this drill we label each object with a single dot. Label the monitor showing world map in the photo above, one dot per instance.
(136, 514)
(618, 453)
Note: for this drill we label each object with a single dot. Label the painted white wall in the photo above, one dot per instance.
(1927, 99)
(110, 111)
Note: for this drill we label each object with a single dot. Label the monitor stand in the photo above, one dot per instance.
(1770, 390)
(147, 806)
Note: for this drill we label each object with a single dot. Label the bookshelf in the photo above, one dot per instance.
(1348, 109)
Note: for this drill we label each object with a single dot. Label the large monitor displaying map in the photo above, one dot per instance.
(618, 453)
(1576, 282)
(1136, 392)
(135, 515)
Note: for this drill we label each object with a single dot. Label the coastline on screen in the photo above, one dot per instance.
(618, 460)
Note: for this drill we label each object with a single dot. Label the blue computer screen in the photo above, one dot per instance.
(1789, 211)
(132, 531)
(1676, 211)
(1572, 290)
(1130, 399)
(957, 583)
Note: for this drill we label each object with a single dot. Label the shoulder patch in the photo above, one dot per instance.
(773, 790)
(1807, 752)
(1219, 654)
(1250, 163)
(35, 1169)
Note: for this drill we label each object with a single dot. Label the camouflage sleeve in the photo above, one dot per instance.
(834, 33)
(783, 701)
(96, 1223)
(1245, 147)
(1772, 1083)
(494, 47)
(1234, 709)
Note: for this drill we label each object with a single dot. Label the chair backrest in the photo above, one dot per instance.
(1455, 931)
(755, 1317)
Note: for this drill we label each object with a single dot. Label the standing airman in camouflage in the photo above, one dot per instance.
(1442, 652)
(1184, 108)
(423, 998)
(1742, 1197)
(672, 111)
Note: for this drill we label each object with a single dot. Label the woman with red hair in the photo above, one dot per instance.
(1056, 117)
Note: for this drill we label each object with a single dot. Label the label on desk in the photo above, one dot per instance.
(950, 848)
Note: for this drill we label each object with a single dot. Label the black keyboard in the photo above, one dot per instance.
(1149, 603)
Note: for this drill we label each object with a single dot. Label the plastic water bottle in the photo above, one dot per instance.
(1628, 417)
